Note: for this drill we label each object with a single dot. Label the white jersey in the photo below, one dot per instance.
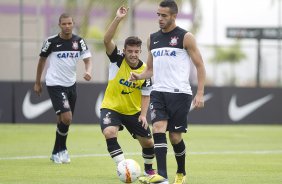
(171, 62)
(63, 56)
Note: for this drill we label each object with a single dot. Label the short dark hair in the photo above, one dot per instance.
(132, 40)
(171, 4)
(64, 15)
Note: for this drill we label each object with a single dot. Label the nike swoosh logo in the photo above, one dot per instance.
(31, 111)
(156, 42)
(237, 113)
(206, 98)
(125, 93)
(98, 104)
(177, 127)
(59, 45)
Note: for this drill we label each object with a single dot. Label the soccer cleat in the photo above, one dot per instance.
(151, 179)
(56, 158)
(150, 172)
(180, 178)
(64, 155)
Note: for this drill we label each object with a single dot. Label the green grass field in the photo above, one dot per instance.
(241, 154)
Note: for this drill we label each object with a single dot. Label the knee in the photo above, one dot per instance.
(110, 132)
(148, 143)
(175, 138)
(66, 118)
(145, 142)
(160, 127)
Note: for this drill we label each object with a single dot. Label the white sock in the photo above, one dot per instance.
(119, 158)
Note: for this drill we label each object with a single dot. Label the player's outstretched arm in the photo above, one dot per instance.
(108, 37)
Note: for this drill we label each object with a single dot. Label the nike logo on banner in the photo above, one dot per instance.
(206, 98)
(59, 45)
(237, 113)
(31, 111)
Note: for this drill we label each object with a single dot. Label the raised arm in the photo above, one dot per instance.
(192, 49)
(108, 37)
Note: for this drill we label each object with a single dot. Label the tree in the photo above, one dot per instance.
(196, 14)
(85, 29)
(93, 32)
(111, 6)
(232, 55)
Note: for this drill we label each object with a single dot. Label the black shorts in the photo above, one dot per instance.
(63, 98)
(173, 107)
(112, 118)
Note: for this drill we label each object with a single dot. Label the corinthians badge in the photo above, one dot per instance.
(173, 41)
(75, 45)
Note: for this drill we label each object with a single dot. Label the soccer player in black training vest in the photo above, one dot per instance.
(172, 51)
(63, 51)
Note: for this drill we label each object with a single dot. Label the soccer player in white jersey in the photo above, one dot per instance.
(63, 51)
(172, 51)
(125, 103)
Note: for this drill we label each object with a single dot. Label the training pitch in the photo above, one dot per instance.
(216, 154)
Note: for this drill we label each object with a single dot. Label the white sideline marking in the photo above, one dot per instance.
(261, 152)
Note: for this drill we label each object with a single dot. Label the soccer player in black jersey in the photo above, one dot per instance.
(172, 51)
(63, 51)
(126, 103)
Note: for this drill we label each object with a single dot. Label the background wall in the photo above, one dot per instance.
(26, 23)
(223, 105)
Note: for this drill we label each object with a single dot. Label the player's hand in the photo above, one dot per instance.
(198, 101)
(37, 88)
(122, 11)
(87, 76)
(143, 120)
(133, 76)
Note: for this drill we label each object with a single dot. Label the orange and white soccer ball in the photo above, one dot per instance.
(128, 170)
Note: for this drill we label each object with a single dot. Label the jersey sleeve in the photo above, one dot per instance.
(46, 48)
(116, 56)
(146, 87)
(85, 52)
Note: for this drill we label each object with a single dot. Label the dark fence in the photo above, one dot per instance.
(223, 105)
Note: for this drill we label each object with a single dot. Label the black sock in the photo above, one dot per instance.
(180, 153)
(61, 137)
(57, 145)
(64, 129)
(113, 147)
(160, 144)
(148, 155)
